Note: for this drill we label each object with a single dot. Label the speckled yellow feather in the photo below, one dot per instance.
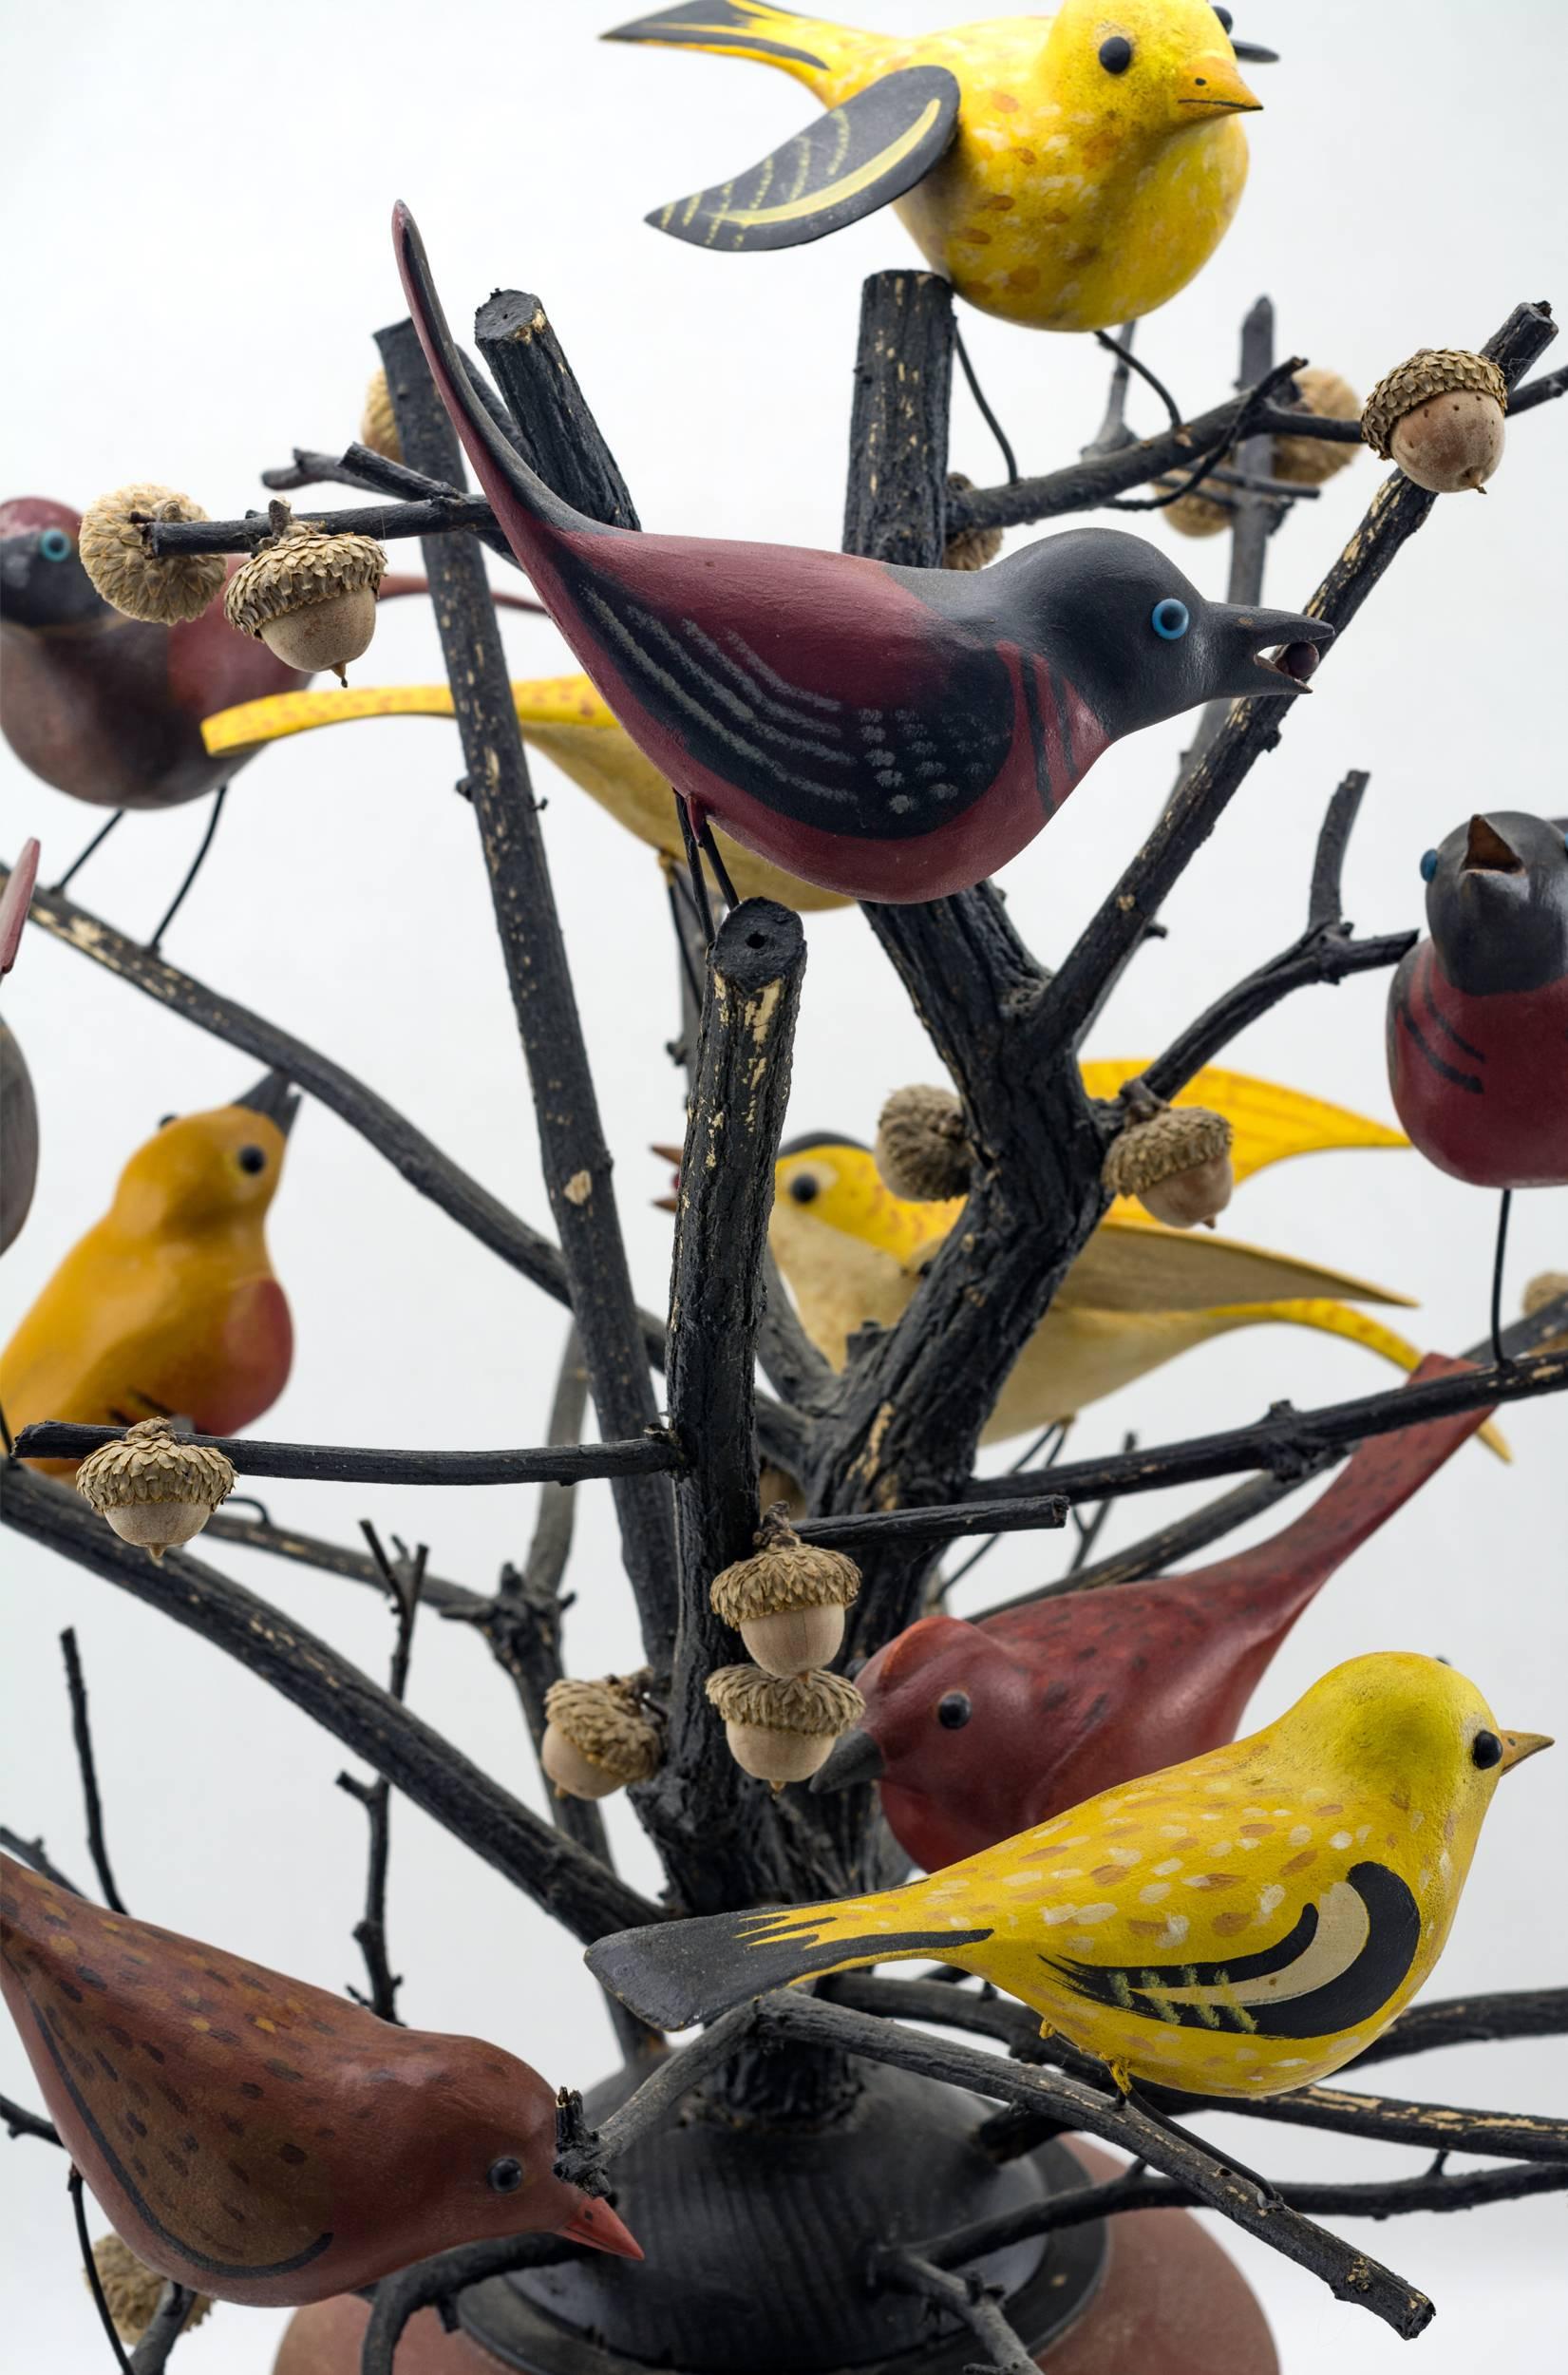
(1095, 166)
(1243, 1923)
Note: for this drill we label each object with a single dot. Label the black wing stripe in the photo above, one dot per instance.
(1442, 1021)
(1465, 1080)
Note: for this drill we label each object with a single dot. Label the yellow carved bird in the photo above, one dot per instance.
(564, 717)
(1066, 171)
(1243, 1923)
(1139, 1294)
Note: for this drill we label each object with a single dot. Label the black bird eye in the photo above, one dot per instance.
(1116, 54)
(806, 1189)
(55, 545)
(954, 1710)
(252, 1159)
(504, 2176)
(1487, 1750)
(1225, 18)
(165, 1119)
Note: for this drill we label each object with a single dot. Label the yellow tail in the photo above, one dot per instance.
(809, 48)
(1333, 1318)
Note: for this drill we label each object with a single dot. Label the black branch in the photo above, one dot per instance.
(87, 1764)
(583, 2154)
(651, 1454)
(432, 2282)
(976, 2305)
(18, 2121)
(405, 1582)
(331, 1558)
(584, 1897)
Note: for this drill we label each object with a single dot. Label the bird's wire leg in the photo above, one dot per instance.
(83, 855)
(1506, 1207)
(196, 864)
(694, 865)
(1009, 459)
(90, 2269)
(721, 872)
(1113, 433)
(1128, 361)
(673, 891)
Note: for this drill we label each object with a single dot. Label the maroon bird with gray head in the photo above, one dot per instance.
(890, 734)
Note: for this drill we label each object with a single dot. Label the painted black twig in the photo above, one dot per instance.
(82, 1734)
(404, 1582)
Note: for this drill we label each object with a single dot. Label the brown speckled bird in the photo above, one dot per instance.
(259, 2140)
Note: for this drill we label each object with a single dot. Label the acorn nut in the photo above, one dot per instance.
(1309, 461)
(1544, 1289)
(787, 1601)
(1177, 1164)
(1193, 513)
(114, 553)
(598, 1737)
(311, 596)
(132, 2291)
(781, 1727)
(969, 548)
(378, 421)
(157, 1488)
(922, 1152)
(1440, 417)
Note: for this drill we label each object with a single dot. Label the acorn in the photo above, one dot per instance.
(922, 1152)
(378, 421)
(1541, 1291)
(132, 2290)
(1194, 514)
(970, 548)
(156, 1487)
(131, 578)
(781, 1727)
(598, 1736)
(1440, 417)
(311, 596)
(787, 1601)
(1176, 1162)
(1308, 461)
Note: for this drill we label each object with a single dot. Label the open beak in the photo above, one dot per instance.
(1518, 1745)
(1486, 852)
(675, 1157)
(275, 1098)
(854, 1757)
(1246, 637)
(596, 2224)
(1212, 87)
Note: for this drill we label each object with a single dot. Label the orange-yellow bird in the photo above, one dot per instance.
(168, 1305)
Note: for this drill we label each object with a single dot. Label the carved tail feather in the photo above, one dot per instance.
(806, 47)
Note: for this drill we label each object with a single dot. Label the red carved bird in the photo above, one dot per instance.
(889, 733)
(259, 2140)
(1477, 1014)
(977, 1731)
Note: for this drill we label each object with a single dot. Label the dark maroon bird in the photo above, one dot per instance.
(889, 733)
(978, 1731)
(1477, 1014)
(259, 2140)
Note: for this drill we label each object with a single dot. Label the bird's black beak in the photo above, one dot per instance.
(275, 1098)
(854, 1757)
(1241, 637)
(1487, 852)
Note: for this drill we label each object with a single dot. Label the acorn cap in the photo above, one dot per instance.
(378, 421)
(133, 2290)
(604, 1720)
(1543, 1290)
(130, 578)
(782, 1573)
(1179, 1139)
(1431, 371)
(921, 1150)
(1194, 514)
(971, 548)
(301, 567)
(1308, 461)
(819, 1704)
(150, 1463)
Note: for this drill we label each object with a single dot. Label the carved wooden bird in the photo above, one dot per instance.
(977, 1731)
(891, 733)
(256, 2138)
(1066, 171)
(1478, 1013)
(168, 1305)
(1243, 1923)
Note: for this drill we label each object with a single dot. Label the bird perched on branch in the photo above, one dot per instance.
(256, 2138)
(1243, 1923)
(975, 1731)
(1478, 1013)
(168, 1305)
(564, 717)
(1068, 172)
(890, 734)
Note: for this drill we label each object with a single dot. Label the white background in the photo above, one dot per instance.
(197, 252)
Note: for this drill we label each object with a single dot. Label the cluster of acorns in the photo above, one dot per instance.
(783, 1712)
(309, 597)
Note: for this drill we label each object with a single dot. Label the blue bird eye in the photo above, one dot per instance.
(55, 545)
(1428, 866)
(1170, 619)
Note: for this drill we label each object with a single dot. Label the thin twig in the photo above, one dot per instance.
(30, 1852)
(652, 1454)
(18, 2121)
(895, 2268)
(406, 1582)
(82, 1734)
(89, 2269)
(401, 2297)
(656, 2100)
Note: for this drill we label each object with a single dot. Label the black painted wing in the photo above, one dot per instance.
(847, 164)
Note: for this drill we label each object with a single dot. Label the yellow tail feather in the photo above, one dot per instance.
(1333, 1318)
(807, 48)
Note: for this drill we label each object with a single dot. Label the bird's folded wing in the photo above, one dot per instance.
(847, 164)
(1145, 1266)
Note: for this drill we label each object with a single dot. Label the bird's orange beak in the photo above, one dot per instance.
(1212, 87)
(596, 2224)
(676, 1155)
(1518, 1745)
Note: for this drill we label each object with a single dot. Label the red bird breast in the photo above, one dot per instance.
(1481, 1084)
